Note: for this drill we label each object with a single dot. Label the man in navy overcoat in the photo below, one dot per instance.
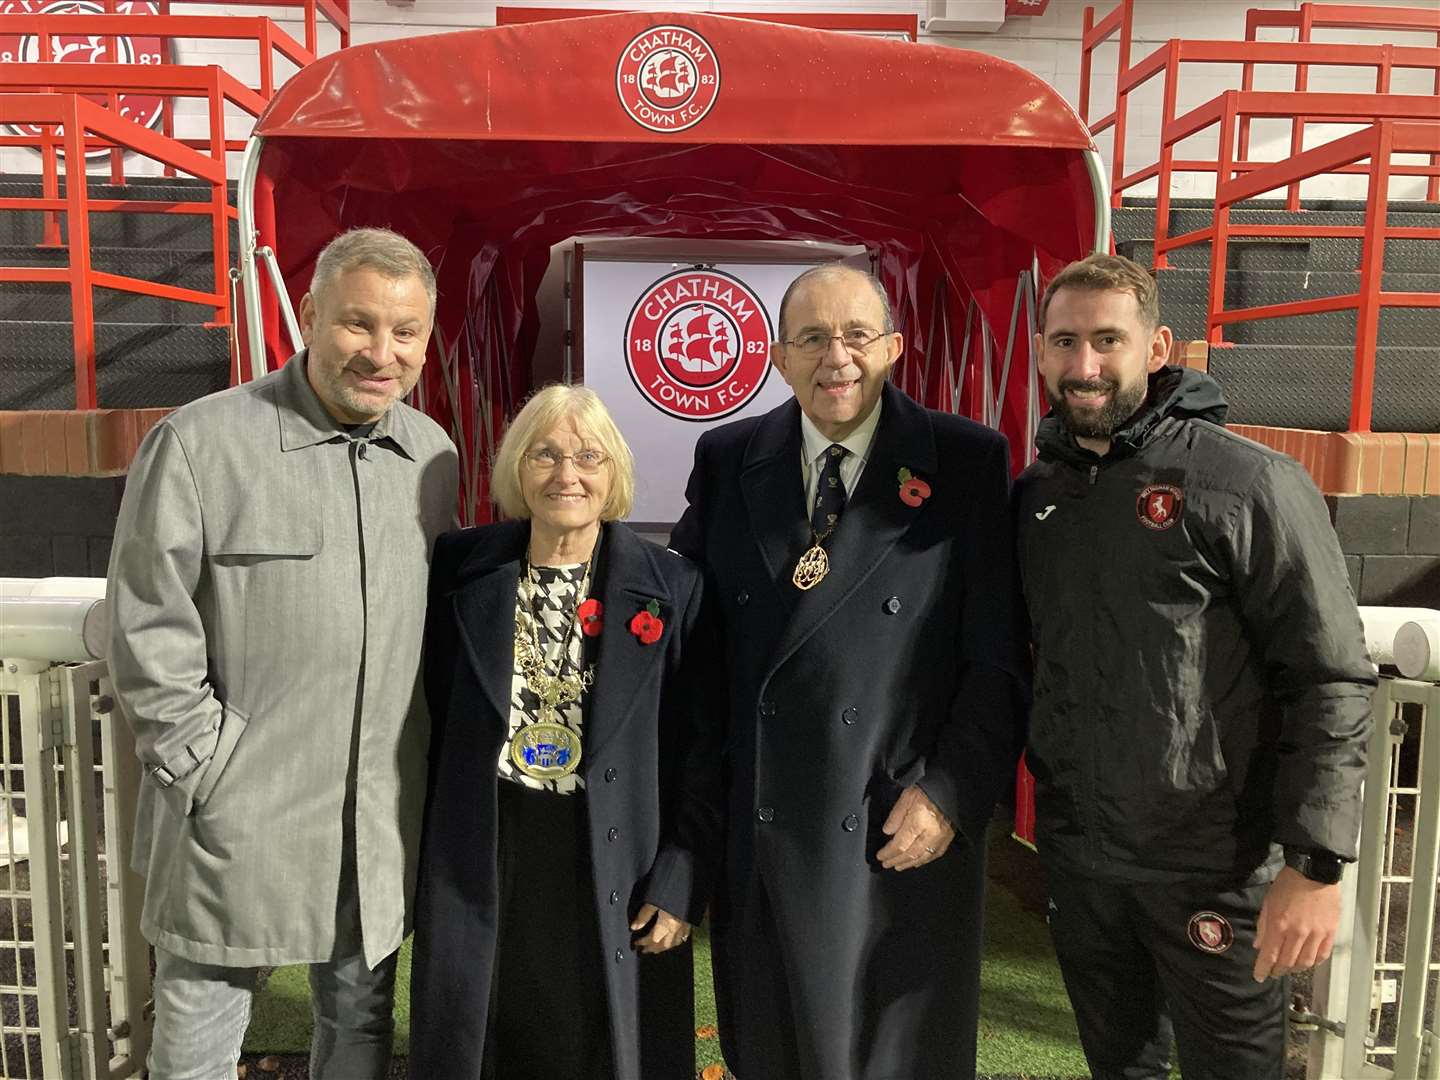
(859, 551)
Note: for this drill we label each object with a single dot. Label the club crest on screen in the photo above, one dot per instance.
(697, 344)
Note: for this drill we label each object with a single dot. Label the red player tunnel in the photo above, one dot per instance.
(963, 175)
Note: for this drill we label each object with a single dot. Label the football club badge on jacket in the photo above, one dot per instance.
(1210, 932)
(697, 344)
(667, 78)
(1158, 506)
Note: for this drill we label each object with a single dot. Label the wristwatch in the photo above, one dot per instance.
(1322, 866)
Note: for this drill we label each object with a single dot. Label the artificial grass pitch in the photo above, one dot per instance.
(1026, 1027)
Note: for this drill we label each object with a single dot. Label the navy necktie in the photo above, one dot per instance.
(829, 491)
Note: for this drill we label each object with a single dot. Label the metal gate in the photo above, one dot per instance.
(72, 996)
(1382, 982)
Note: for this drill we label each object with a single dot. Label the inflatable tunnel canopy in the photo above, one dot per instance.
(959, 172)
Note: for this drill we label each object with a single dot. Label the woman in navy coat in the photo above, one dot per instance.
(562, 864)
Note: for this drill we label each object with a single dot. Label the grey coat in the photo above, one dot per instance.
(268, 586)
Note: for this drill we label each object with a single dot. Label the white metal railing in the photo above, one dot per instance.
(1376, 999)
(74, 970)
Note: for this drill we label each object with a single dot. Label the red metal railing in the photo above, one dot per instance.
(211, 82)
(269, 39)
(1310, 17)
(1233, 106)
(75, 116)
(1166, 60)
(336, 12)
(1377, 143)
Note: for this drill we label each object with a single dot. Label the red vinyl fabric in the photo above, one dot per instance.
(487, 147)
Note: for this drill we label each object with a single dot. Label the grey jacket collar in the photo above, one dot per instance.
(304, 421)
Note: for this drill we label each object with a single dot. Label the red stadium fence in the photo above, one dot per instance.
(1310, 17)
(39, 94)
(79, 118)
(269, 39)
(1396, 124)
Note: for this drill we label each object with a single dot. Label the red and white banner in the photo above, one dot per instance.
(672, 350)
(1025, 7)
(145, 49)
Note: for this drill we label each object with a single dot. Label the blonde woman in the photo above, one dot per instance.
(562, 863)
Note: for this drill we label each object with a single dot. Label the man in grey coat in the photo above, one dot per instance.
(268, 586)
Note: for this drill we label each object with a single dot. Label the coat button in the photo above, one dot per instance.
(614, 897)
(851, 823)
(610, 775)
(893, 605)
(613, 834)
(767, 710)
(742, 598)
(765, 815)
(619, 955)
(849, 714)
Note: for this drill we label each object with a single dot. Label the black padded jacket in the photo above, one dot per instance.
(1202, 687)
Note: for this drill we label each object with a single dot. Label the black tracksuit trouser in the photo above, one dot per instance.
(1148, 966)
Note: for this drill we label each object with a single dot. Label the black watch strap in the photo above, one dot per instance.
(1324, 867)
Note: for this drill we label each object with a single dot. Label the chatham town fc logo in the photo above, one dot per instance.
(1158, 506)
(143, 109)
(1210, 932)
(697, 344)
(667, 78)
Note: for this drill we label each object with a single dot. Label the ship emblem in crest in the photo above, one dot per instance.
(667, 78)
(697, 344)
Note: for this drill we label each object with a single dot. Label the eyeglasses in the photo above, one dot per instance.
(547, 460)
(856, 341)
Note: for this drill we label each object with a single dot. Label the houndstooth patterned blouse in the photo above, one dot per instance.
(553, 592)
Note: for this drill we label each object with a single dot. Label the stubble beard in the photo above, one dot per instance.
(1099, 423)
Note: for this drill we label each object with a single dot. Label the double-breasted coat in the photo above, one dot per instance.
(649, 839)
(905, 665)
(267, 591)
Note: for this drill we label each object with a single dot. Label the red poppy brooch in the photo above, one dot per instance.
(647, 624)
(592, 617)
(913, 490)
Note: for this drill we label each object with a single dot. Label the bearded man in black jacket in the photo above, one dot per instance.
(1202, 697)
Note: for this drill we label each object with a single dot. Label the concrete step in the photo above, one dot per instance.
(1291, 253)
(138, 365)
(1183, 304)
(1308, 386)
(44, 302)
(118, 228)
(1129, 222)
(190, 268)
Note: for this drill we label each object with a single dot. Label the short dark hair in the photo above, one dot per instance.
(1102, 273)
(835, 269)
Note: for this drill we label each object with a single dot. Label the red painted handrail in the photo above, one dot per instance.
(76, 117)
(1310, 17)
(1378, 143)
(336, 12)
